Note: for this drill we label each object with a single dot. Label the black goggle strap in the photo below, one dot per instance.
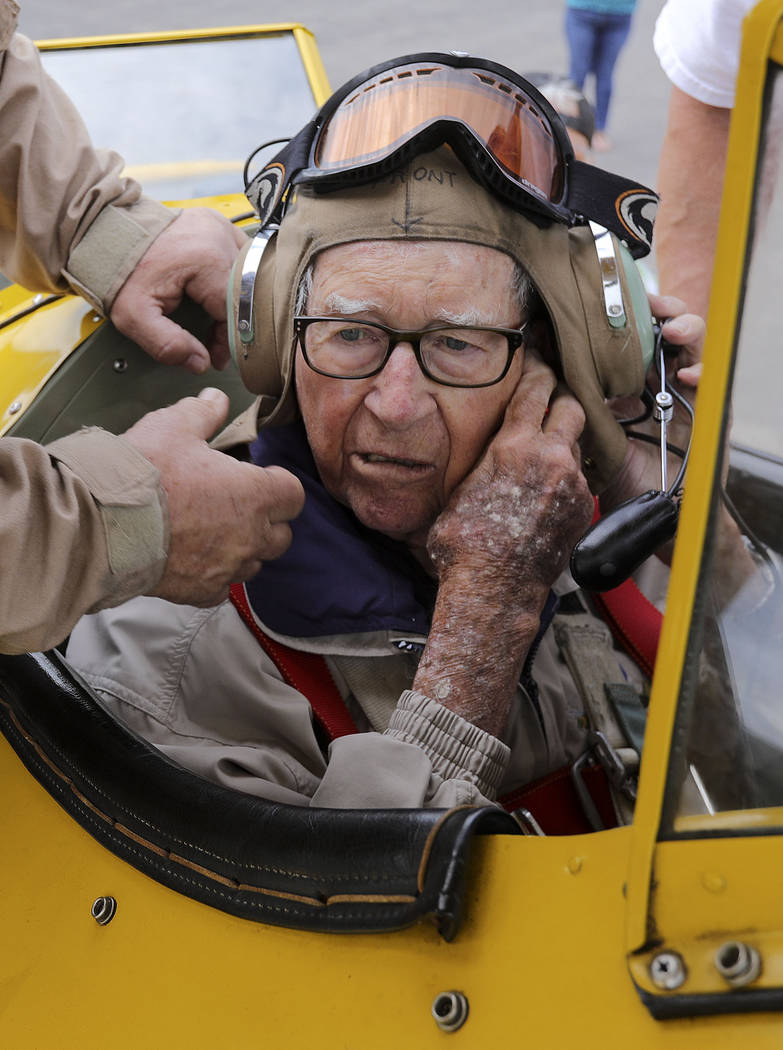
(624, 207)
(266, 190)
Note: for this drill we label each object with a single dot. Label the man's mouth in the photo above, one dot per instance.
(377, 457)
(401, 463)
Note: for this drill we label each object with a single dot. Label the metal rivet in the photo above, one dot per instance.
(667, 971)
(120, 365)
(713, 882)
(14, 407)
(38, 299)
(96, 318)
(615, 309)
(450, 1010)
(103, 910)
(737, 963)
(244, 326)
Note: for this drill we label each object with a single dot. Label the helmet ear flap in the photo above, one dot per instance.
(614, 360)
(252, 333)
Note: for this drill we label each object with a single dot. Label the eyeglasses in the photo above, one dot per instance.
(452, 355)
(503, 129)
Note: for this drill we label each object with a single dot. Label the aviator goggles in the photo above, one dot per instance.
(501, 127)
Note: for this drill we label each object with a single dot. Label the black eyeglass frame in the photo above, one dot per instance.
(514, 337)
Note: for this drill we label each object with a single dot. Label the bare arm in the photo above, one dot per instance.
(499, 545)
(690, 181)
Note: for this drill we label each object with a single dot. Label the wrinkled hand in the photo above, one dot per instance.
(226, 517)
(500, 543)
(192, 256)
(641, 469)
(523, 506)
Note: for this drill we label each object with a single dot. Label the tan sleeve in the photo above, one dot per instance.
(197, 685)
(67, 216)
(84, 526)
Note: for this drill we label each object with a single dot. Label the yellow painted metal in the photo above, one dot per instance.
(760, 30)
(110, 40)
(539, 956)
(311, 57)
(33, 350)
(713, 892)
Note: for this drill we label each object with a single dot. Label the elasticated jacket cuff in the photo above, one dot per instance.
(457, 749)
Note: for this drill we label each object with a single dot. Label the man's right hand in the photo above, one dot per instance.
(226, 517)
(498, 546)
(516, 516)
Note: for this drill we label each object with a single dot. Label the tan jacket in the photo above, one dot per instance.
(82, 523)
(196, 683)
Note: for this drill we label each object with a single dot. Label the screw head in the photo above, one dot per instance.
(14, 407)
(738, 963)
(667, 971)
(103, 910)
(120, 365)
(450, 1010)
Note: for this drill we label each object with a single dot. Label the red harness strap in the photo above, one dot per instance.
(308, 673)
(634, 621)
(553, 800)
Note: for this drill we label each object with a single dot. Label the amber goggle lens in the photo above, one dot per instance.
(387, 111)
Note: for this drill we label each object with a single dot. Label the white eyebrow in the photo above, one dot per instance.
(341, 304)
(469, 318)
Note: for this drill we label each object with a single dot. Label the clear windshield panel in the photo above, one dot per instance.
(186, 114)
(728, 754)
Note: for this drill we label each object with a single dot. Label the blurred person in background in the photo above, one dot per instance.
(573, 108)
(596, 31)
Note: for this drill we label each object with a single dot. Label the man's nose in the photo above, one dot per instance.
(401, 395)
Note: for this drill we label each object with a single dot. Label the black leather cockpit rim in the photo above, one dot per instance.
(312, 869)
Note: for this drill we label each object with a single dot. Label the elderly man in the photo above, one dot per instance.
(405, 656)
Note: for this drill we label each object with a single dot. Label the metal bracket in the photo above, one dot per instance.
(247, 284)
(527, 822)
(621, 776)
(610, 275)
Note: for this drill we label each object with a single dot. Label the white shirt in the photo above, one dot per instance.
(698, 45)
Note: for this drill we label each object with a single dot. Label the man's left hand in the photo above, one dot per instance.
(192, 256)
